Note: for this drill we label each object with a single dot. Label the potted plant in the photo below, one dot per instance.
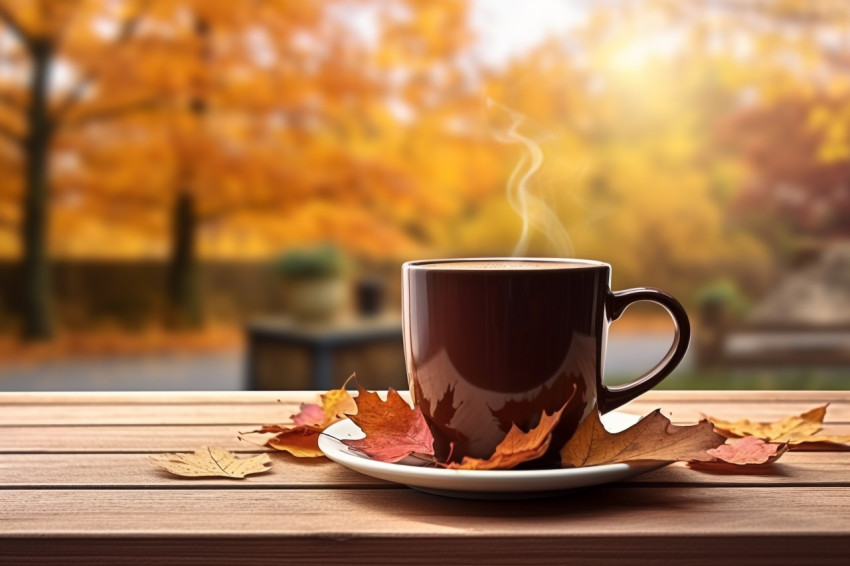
(313, 282)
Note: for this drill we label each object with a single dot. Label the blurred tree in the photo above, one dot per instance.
(256, 111)
(787, 60)
(34, 111)
(804, 181)
(628, 164)
(195, 128)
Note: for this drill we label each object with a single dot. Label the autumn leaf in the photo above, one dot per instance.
(393, 429)
(310, 414)
(302, 440)
(211, 461)
(654, 437)
(518, 446)
(337, 404)
(749, 450)
(797, 430)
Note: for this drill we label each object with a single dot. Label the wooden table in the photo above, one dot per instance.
(76, 488)
(283, 354)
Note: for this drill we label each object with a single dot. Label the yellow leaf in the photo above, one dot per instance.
(211, 461)
(338, 403)
(795, 430)
(654, 437)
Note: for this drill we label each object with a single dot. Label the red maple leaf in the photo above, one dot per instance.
(302, 440)
(393, 429)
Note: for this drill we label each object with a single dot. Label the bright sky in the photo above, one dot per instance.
(508, 27)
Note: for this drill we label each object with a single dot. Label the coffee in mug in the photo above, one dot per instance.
(493, 342)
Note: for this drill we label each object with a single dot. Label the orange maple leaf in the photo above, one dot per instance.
(518, 446)
(302, 440)
(393, 429)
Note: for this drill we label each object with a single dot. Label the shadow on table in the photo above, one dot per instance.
(611, 501)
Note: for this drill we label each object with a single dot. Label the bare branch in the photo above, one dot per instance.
(10, 135)
(76, 92)
(258, 205)
(8, 100)
(7, 18)
(106, 114)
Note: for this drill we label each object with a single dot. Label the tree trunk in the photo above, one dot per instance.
(184, 276)
(38, 316)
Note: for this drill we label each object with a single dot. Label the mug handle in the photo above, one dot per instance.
(617, 301)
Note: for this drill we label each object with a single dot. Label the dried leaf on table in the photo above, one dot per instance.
(211, 461)
(302, 440)
(518, 446)
(654, 437)
(393, 429)
(800, 431)
(310, 414)
(741, 455)
(749, 450)
(337, 404)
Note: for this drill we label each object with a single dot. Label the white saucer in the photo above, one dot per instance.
(483, 484)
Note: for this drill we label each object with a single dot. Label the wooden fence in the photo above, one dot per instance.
(133, 293)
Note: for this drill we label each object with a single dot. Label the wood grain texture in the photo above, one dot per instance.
(76, 488)
(152, 397)
(69, 414)
(123, 471)
(684, 412)
(473, 548)
(132, 439)
(240, 408)
(248, 397)
(612, 510)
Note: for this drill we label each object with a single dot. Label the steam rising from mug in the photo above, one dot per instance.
(534, 212)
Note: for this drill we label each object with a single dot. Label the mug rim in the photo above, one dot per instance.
(588, 263)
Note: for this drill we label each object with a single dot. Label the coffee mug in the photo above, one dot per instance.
(493, 342)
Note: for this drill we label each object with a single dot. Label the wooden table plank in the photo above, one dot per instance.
(248, 397)
(609, 511)
(231, 408)
(148, 414)
(148, 439)
(690, 411)
(76, 488)
(122, 471)
(473, 548)
(150, 397)
(94, 439)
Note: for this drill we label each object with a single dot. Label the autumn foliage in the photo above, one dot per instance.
(675, 146)
(302, 439)
(393, 430)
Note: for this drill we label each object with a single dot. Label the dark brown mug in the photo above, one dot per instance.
(493, 342)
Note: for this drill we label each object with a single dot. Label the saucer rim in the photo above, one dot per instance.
(472, 481)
